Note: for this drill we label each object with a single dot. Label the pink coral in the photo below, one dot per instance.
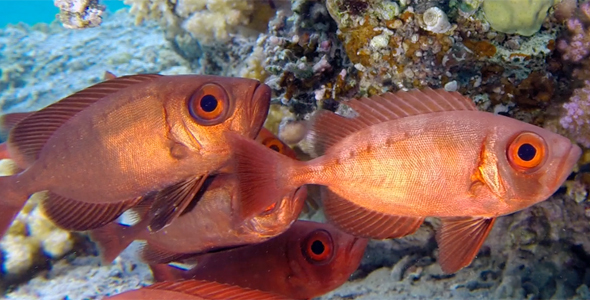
(576, 118)
(576, 46)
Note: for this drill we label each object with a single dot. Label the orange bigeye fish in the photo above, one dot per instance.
(194, 290)
(308, 260)
(410, 155)
(100, 151)
(208, 224)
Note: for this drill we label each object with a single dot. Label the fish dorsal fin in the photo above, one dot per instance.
(8, 121)
(459, 240)
(360, 221)
(30, 135)
(75, 215)
(330, 128)
(213, 290)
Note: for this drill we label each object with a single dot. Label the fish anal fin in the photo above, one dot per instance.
(459, 240)
(29, 136)
(113, 238)
(154, 255)
(172, 201)
(75, 215)
(360, 221)
(166, 272)
(214, 290)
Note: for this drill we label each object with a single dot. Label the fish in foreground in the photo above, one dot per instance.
(207, 226)
(308, 260)
(100, 151)
(194, 290)
(411, 155)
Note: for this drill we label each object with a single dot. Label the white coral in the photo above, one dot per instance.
(206, 20)
(435, 20)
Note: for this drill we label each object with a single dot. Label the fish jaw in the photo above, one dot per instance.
(564, 169)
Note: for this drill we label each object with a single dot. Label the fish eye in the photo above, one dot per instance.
(318, 247)
(527, 152)
(209, 104)
(274, 144)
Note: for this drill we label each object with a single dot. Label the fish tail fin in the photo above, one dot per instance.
(263, 175)
(12, 200)
(112, 239)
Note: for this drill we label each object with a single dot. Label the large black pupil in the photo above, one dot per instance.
(317, 247)
(275, 148)
(208, 103)
(526, 152)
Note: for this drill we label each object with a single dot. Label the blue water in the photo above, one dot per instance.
(38, 11)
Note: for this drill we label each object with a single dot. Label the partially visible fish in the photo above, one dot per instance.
(207, 225)
(194, 290)
(90, 150)
(410, 155)
(308, 260)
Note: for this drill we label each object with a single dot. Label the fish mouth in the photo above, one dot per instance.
(260, 105)
(570, 160)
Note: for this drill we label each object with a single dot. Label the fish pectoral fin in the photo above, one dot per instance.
(360, 221)
(154, 255)
(172, 201)
(76, 215)
(459, 240)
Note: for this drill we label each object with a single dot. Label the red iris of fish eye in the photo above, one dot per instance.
(527, 152)
(318, 247)
(209, 104)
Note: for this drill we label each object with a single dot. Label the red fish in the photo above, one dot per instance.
(102, 150)
(194, 290)
(210, 224)
(410, 155)
(308, 260)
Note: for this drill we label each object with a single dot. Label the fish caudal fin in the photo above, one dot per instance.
(11, 202)
(112, 239)
(360, 221)
(261, 174)
(459, 240)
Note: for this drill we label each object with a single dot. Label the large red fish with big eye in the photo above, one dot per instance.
(410, 155)
(306, 261)
(102, 150)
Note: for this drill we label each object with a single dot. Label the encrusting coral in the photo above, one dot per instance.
(524, 17)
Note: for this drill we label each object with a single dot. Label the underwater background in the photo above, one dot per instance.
(531, 66)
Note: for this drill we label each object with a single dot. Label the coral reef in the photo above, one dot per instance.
(523, 17)
(538, 253)
(78, 14)
(576, 119)
(32, 238)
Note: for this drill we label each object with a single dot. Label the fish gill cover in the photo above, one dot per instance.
(315, 54)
